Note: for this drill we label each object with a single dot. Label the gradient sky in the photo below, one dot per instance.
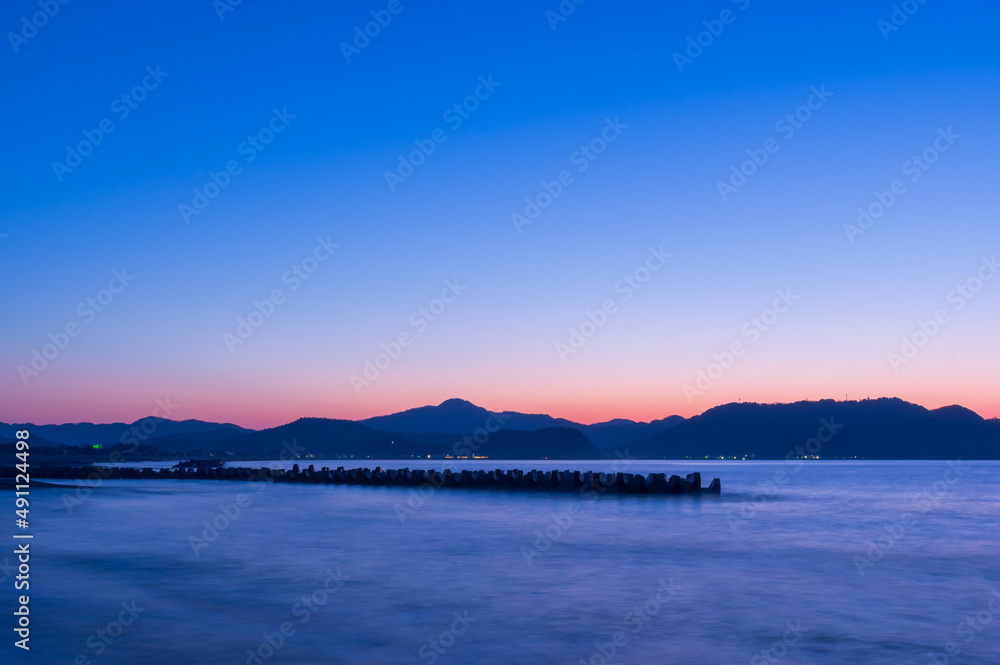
(496, 344)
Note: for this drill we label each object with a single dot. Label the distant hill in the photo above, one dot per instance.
(617, 433)
(216, 439)
(323, 437)
(35, 442)
(458, 415)
(884, 428)
(88, 433)
(548, 443)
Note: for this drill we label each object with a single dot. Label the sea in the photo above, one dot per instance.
(797, 562)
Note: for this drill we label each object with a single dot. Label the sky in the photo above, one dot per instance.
(261, 212)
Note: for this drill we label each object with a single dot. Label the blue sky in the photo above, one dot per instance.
(498, 342)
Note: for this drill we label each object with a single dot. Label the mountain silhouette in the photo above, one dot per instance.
(886, 428)
(459, 415)
(325, 437)
(547, 443)
(464, 417)
(75, 434)
(620, 432)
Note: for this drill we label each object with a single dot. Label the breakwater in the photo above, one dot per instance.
(497, 479)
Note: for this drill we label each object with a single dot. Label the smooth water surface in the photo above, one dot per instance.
(796, 562)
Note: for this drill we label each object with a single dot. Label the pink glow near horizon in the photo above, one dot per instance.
(213, 409)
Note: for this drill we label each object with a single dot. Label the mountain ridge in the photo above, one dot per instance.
(882, 428)
(86, 433)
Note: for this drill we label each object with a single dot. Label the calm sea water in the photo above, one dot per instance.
(816, 562)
